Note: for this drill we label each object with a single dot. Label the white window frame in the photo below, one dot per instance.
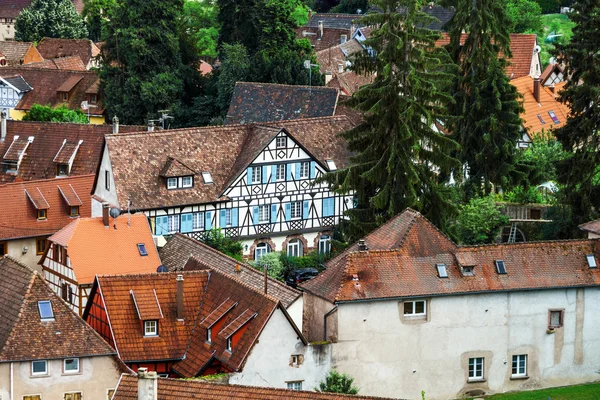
(304, 170)
(207, 177)
(151, 328)
(294, 385)
(414, 312)
(521, 368)
(173, 223)
(45, 372)
(281, 142)
(189, 184)
(325, 244)
(296, 210)
(198, 221)
(280, 172)
(71, 371)
(256, 175)
(261, 250)
(294, 248)
(478, 363)
(49, 303)
(171, 183)
(263, 213)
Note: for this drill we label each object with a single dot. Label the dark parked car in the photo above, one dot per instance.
(300, 275)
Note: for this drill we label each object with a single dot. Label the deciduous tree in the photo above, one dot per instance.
(95, 14)
(49, 18)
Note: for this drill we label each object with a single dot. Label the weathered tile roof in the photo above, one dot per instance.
(443, 15)
(331, 36)
(532, 108)
(114, 251)
(172, 389)
(267, 102)
(338, 21)
(179, 248)
(23, 336)
(138, 159)
(18, 216)
(51, 48)
(592, 226)
(72, 63)
(13, 51)
(348, 82)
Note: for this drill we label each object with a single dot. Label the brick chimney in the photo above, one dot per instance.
(115, 125)
(105, 210)
(3, 117)
(147, 384)
(180, 297)
(537, 83)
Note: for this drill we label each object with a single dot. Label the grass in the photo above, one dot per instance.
(589, 391)
(557, 24)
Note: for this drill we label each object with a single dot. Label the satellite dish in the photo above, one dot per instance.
(537, 49)
(114, 212)
(162, 268)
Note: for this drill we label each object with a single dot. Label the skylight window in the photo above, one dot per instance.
(554, 117)
(207, 177)
(45, 308)
(500, 267)
(331, 165)
(142, 249)
(541, 119)
(591, 260)
(441, 269)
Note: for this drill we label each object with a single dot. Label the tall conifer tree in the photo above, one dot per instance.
(487, 124)
(399, 153)
(580, 173)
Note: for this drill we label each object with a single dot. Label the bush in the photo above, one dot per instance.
(220, 242)
(60, 113)
(275, 268)
(337, 383)
(478, 221)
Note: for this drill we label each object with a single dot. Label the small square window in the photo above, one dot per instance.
(556, 318)
(42, 214)
(39, 367)
(45, 308)
(207, 178)
(415, 308)
(476, 368)
(295, 360)
(40, 246)
(519, 365)
(297, 385)
(187, 182)
(229, 343)
(74, 211)
(281, 142)
(151, 328)
(591, 260)
(142, 249)
(442, 272)
(171, 183)
(71, 365)
(500, 267)
(62, 170)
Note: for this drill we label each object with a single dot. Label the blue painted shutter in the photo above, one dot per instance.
(273, 173)
(208, 223)
(328, 209)
(297, 176)
(313, 170)
(273, 213)
(265, 177)
(255, 215)
(249, 175)
(305, 210)
(234, 217)
(288, 211)
(332, 206)
(289, 171)
(162, 225)
(222, 219)
(186, 223)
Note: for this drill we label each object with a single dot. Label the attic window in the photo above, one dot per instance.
(340, 68)
(63, 96)
(553, 116)
(62, 170)
(591, 260)
(45, 308)
(92, 98)
(74, 211)
(42, 214)
(541, 119)
(331, 165)
(441, 269)
(500, 267)
(151, 328)
(467, 271)
(207, 177)
(281, 142)
(142, 249)
(172, 183)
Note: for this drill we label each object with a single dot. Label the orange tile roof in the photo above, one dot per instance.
(94, 249)
(548, 103)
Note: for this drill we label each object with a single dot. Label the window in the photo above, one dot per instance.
(467, 271)
(281, 142)
(227, 216)
(415, 308)
(45, 308)
(173, 223)
(71, 365)
(72, 396)
(151, 328)
(109, 394)
(40, 246)
(296, 209)
(39, 367)
(209, 335)
(256, 174)
(340, 68)
(207, 178)
(74, 211)
(198, 221)
(500, 267)
(62, 169)
(280, 172)
(171, 183)
(107, 180)
(519, 365)
(3, 249)
(32, 397)
(294, 248)
(553, 116)
(331, 165)
(324, 244)
(42, 214)
(555, 318)
(296, 385)
(476, 368)
(295, 360)
(329, 207)
(229, 344)
(142, 249)
(187, 182)
(541, 119)
(261, 250)
(304, 170)
(63, 96)
(263, 213)
(92, 98)
(441, 269)
(591, 260)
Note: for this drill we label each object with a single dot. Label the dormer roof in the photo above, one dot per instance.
(69, 84)
(69, 194)
(37, 199)
(17, 148)
(174, 168)
(67, 152)
(146, 304)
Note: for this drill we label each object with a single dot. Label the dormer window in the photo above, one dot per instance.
(92, 98)
(63, 96)
(186, 181)
(172, 183)
(42, 214)
(45, 308)
(74, 211)
(62, 170)
(151, 328)
(181, 182)
(468, 270)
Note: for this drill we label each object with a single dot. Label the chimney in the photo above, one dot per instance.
(352, 29)
(150, 126)
(147, 384)
(320, 36)
(537, 82)
(180, 297)
(343, 38)
(328, 77)
(115, 125)
(105, 209)
(362, 246)
(3, 117)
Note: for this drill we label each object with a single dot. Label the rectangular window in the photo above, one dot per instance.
(227, 217)
(500, 267)
(150, 328)
(554, 117)
(198, 221)
(256, 174)
(329, 206)
(72, 396)
(39, 367)
(106, 180)
(442, 272)
(280, 172)
(3, 249)
(476, 368)
(42, 214)
(263, 214)
(187, 182)
(32, 397)
(171, 183)
(92, 99)
(71, 365)
(519, 365)
(541, 119)
(74, 211)
(62, 169)
(591, 260)
(555, 318)
(331, 165)
(413, 308)
(281, 142)
(297, 385)
(296, 209)
(142, 249)
(40, 246)
(207, 177)
(304, 170)
(45, 308)
(173, 223)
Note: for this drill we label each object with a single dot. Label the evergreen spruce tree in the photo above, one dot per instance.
(487, 124)
(399, 154)
(49, 18)
(580, 173)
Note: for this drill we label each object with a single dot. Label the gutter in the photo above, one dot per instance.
(334, 309)
(12, 383)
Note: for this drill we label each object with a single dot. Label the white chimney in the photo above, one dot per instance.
(179, 297)
(115, 125)
(150, 126)
(320, 30)
(147, 384)
(3, 117)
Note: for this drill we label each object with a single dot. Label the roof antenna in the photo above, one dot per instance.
(164, 116)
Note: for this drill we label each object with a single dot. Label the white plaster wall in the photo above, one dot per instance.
(30, 258)
(269, 363)
(98, 374)
(295, 311)
(593, 235)
(7, 30)
(107, 195)
(375, 346)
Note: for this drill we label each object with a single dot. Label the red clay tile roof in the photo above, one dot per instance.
(18, 216)
(218, 313)
(174, 168)
(15, 51)
(146, 304)
(51, 48)
(267, 102)
(237, 324)
(72, 63)
(331, 36)
(23, 336)
(175, 389)
(70, 83)
(114, 251)
(592, 226)
(37, 199)
(69, 194)
(67, 151)
(138, 159)
(347, 82)
(179, 248)
(17, 148)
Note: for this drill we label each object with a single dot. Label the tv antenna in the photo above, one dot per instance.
(164, 116)
(309, 66)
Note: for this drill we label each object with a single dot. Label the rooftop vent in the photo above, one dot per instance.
(362, 246)
(500, 267)
(442, 271)
(591, 260)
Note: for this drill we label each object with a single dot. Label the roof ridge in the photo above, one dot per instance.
(526, 244)
(150, 274)
(287, 85)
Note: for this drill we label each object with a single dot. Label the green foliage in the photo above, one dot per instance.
(541, 157)
(60, 113)
(95, 14)
(524, 15)
(350, 6)
(337, 383)
(580, 392)
(279, 264)
(275, 268)
(224, 244)
(49, 18)
(554, 24)
(478, 221)
(523, 195)
(235, 67)
(200, 21)
(549, 6)
(395, 147)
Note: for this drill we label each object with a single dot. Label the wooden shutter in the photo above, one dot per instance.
(265, 177)
(273, 213)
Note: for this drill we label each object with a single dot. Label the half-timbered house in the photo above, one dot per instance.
(255, 182)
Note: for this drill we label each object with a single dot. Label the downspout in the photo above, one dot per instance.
(12, 384)
(334, 309)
